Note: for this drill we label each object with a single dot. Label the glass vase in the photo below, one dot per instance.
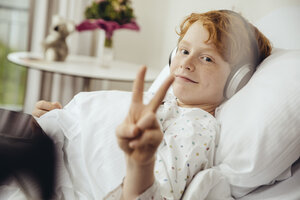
(108, 53)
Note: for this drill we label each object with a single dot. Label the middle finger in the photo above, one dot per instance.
(160, 94)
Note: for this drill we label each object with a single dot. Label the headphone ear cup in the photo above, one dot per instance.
(172, 55)
(238, 78)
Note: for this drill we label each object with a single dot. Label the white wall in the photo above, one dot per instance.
(159, 19)
(145, 46)
(254, 10)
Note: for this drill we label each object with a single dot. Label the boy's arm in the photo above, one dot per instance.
(138, 179)
(139, 137)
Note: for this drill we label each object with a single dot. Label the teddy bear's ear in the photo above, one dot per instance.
(56, 19)
(70, 27)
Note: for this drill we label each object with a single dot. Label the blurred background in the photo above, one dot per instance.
(24, 24)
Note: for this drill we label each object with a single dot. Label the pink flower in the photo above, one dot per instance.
(108, 26)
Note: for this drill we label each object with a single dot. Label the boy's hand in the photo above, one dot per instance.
(140, 135)
(42, 107)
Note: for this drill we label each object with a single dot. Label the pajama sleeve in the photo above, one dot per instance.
(151, 193)
(208, 184)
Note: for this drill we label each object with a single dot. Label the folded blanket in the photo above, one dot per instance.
(90, 162)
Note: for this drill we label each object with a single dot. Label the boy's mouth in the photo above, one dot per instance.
(184, 78)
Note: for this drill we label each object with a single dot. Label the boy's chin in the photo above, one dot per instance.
(192, 100)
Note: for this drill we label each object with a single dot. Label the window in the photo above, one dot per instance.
(14, 26)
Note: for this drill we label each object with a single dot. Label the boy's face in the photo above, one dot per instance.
(200, 72)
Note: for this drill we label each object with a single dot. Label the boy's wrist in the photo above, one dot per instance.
(132, 163)
(139, 177)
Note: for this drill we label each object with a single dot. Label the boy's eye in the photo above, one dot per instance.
(185, 52)
(207, 59)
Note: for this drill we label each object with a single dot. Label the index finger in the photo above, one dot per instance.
(138, 86)
(44, 105)
(160, 94)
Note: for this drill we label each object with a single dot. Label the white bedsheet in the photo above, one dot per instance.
(92, 164)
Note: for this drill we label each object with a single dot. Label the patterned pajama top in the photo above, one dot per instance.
(187, 148)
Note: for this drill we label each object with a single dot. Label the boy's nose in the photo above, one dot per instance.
(188, 68)
(188, 64)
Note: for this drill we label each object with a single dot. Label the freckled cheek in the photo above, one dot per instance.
(214, 84)
(172, 68)
(223, 79)
(219, 85)
(175, 63)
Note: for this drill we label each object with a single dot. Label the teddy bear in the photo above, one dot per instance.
(55, 46)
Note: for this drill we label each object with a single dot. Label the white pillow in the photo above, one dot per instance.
(260, 125)
(160, 79)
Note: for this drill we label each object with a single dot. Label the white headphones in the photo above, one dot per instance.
(237, 79)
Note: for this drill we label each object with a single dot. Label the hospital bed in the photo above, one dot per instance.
(259, 144)
(257, 121)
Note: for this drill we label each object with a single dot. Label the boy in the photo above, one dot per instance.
(169, 144)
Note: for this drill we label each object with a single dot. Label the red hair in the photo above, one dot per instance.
(236, 40)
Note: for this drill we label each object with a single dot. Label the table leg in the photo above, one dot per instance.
(86, 84)
(33, 86)
(56, 87)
